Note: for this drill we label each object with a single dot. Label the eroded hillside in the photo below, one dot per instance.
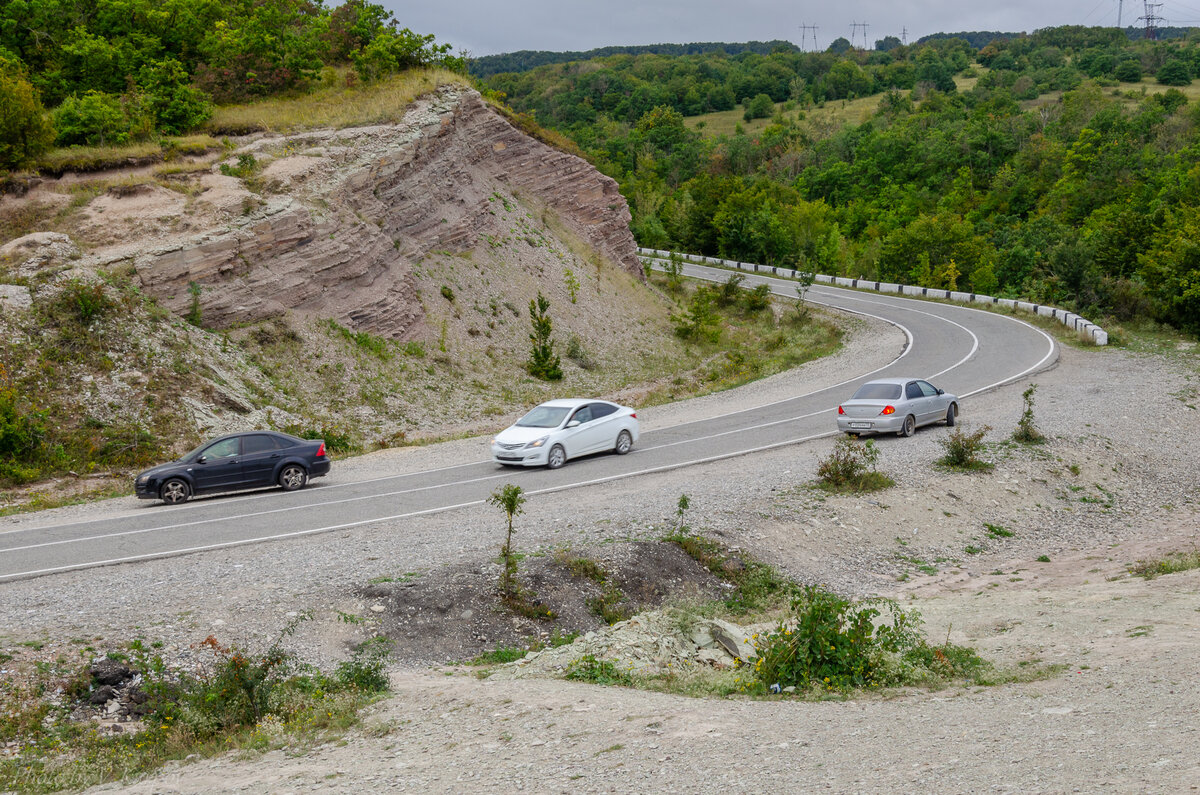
(371, 283)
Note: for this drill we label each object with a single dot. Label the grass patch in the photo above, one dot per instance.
(998, 531)
(332, 106)
(507, 654)
(1170, 564)
(593, 670)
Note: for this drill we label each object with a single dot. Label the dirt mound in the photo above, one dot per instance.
(455, 613)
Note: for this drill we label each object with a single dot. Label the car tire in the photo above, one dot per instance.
(909, 427)
(557, 457)
(951, 415)
(175, 491)
(624, 443)
(292, 477)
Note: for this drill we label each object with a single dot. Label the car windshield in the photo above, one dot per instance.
(544, 417)
(877, 392)
(191, 456)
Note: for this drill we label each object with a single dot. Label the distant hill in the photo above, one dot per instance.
(524, 60)
(976, 38)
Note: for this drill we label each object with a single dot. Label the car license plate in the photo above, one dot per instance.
(860, 425)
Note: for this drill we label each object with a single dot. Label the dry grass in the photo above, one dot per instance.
(333, 106)
(100, 158)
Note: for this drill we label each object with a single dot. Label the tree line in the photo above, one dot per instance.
(1050, 178)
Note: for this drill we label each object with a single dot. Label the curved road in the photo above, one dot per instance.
(965, 350)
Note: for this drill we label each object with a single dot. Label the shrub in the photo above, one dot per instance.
(850, 467)
(1027, 432)
(447, 293)
(962, 449)
(831, 643)
(1171, 563)
(756, 300)
(99, 119)
(729, 291)
(1174, 72)
(508, 499)
(366, 669)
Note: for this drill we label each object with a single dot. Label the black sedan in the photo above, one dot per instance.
(238, 461)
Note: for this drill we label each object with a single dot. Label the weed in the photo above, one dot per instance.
(509, 499)
(971, 549)
(1043, 558)
(247, 167)
(447, 293)
(596, 671)
(193, 315)
(850, 467)
(572, 285)
(1170, 564)
(997, 531)
(962, 449)
(757, 586)
(1026, 432)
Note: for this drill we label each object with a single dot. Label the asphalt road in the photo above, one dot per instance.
(963, 350)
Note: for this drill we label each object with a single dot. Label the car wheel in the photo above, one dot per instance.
(624, 443)
(557, 457)
(293, 477)
(910, 426)
(175, 491)
(951, 415)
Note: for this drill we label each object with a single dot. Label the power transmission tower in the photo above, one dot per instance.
(854, 26)
(804, 36)
(904, 36)
(1120, 8)
(1151, 19)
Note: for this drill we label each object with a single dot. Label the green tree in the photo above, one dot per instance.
(543, 362)
(25, 132)
(761, 107)
(99, 119)
(175, 104)
(510, 499)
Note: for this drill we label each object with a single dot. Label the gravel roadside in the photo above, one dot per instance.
(1108, 488)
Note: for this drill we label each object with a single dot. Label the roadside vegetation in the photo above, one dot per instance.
(850, 468)
(235, 699)
(1168, 564)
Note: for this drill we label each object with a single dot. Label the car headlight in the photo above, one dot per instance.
(538, 442)
(141, 481)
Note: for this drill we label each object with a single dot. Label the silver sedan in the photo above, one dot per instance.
(896, 405)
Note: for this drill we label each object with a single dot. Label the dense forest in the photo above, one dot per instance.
(112, 71)
(1049, 176)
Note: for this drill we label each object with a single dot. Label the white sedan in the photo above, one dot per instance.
(561, 429)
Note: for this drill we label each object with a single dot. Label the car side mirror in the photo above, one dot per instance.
(941, 391)
(573, 424)
(202, 459)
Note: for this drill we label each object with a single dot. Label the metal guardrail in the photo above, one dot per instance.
(1076, 322)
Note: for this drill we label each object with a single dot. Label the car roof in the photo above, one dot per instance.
(571, 403)
(901, 381)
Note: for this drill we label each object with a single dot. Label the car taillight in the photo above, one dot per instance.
(841, 410)
(321, 451)
(633, 414)
(888, 410)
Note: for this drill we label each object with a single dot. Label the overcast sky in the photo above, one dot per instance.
(487, 27)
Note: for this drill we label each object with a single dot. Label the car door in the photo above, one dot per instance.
(260, 455)
(914, 401)
(605, 425)
(577, 439)
(935, 405)
(219, 466)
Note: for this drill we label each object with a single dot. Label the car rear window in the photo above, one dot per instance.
(877, 392)
(602, 410)
(544, 417)
(259, 443)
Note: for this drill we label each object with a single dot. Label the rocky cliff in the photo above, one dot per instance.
(347, 214)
